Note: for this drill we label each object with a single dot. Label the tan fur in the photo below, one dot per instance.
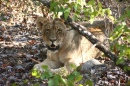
(74, 48)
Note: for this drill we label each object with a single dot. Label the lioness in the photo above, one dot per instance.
(65, 45)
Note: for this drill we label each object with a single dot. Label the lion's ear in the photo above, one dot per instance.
(41, 22)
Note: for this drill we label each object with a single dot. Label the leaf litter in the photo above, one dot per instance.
(21, 47)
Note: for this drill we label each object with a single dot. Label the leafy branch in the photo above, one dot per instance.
(58, 80)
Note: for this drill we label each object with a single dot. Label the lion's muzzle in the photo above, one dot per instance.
(53, 47)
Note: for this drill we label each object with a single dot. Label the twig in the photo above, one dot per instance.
(34, 60)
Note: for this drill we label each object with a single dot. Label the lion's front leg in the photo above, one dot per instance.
(61, 71)
(50, 63)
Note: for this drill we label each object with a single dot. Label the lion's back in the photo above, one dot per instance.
(78, 48)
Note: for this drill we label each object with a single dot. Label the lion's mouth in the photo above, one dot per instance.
(53, 47)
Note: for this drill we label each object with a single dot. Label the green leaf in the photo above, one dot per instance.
(61, 80)
(128, 51)
(91, 2)
(66, 13)
(64, 81)
(81, 3)
(122, 17)
(73, 66)
(78, 78)
(109, 12)
(46, 75)
(14, 84)
(92, 9)
(73, 76)
(123, 23)
(89, 83)
(122, 49)
(36, 84)
(53, 5)
(25, 81)
(45, 67)
(117, 32)
(51, 82)
(91, 20)
(120, 61)
(80, 85)
(126, 68)
(112, 18)
(128, 83)
(128, 12)
(35, 73)
(70, 83)
(57, 80)
(102, 12)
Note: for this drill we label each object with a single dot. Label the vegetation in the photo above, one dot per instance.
(59, 80)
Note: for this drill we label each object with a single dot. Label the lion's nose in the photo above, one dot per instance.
(52, 40)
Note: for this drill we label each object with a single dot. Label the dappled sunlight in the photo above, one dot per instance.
(22, 45)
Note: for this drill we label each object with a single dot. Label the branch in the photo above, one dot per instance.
(83, 31)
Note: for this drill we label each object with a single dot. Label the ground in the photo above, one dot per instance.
(21, 47)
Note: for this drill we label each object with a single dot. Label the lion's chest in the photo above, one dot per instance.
(60, 57)
(63, 58)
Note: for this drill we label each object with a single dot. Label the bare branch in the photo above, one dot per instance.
(82, 31)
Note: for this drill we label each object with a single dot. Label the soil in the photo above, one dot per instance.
(21, 47)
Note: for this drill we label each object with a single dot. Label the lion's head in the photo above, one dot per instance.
(53, 32)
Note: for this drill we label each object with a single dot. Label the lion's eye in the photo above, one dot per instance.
(59, 31)
(57, 27)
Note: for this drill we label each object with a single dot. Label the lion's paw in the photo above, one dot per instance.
(38, 67)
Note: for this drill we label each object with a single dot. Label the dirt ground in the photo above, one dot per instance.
(21, 47)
